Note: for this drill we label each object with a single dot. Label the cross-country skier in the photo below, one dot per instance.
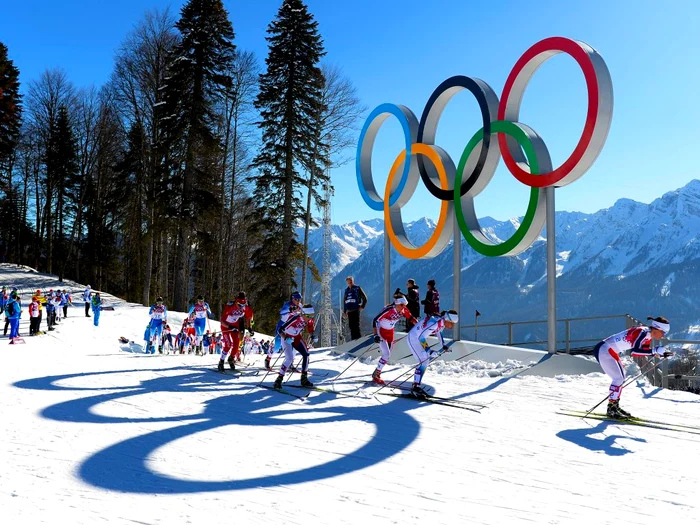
(638, 341)
(295, 301)
(201, 312)
(159, 315)
(167, 337)
(291, 333)
(383, 326)
(235, 318)
(432, 325)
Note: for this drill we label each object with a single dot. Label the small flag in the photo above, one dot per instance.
(478, 313)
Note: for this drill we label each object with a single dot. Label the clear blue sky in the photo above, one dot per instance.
(400, 50)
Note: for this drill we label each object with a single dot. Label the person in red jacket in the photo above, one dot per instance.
(383, 326)
(236, 317)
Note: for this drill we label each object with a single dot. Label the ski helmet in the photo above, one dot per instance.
(296, 295)
(307, 309)
(159, 299)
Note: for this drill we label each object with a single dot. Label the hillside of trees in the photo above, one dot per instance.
(188, 171)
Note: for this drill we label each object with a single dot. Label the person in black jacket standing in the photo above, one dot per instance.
(413, 296)
(431, 303)
(354, 302)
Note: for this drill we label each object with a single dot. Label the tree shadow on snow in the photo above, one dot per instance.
(125, 466)
(583, 437)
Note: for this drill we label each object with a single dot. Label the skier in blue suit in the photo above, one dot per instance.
(200, 312)
(159, 315)
(295, 303)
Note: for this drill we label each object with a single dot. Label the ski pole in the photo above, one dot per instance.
(363, 354)
(290, 371)
(353, 362)
(458, 359)
(273, 365)
(626, 384)
(429, 360)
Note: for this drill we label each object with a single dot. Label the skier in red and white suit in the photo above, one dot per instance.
(291, 335)
(236, 316)
(383, 326)
(638, 341)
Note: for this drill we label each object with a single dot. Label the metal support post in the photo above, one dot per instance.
(457, 276)
(387, 268)
(551, 273)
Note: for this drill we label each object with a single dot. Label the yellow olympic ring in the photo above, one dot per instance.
(443, 231)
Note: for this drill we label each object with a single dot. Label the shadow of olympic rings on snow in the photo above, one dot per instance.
(124, 467)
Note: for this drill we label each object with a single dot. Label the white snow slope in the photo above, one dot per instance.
(93, 432)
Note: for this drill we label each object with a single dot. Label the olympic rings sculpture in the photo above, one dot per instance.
(457, 186)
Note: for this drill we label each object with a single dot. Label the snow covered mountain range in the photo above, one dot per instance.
(634, 258)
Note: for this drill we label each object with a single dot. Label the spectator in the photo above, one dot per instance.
(431, 303)
(96, 307)
(34, 317)
(4, 297)
(67, 299)
(86, 298)
(413, 297)
(13, 310)
(354, 302)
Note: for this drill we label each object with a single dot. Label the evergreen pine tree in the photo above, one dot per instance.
(10, 123)
(62, 177)
(10, 111)
(289, 102)
(197, 77)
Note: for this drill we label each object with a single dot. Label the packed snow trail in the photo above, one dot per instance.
(97, 432)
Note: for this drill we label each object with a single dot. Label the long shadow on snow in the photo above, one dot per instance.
(583, 438)
(657, 390)
(124, 467)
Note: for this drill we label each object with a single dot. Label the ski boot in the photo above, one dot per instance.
(418, 392)
(267, 363)
(221, 365)
(232, 364)
(377, 379)
(278, 383)
(614, 411)
(305, 381)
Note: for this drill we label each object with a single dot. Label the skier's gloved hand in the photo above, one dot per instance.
(377, 338)
(445, 348)
(288, 339)
(668, 354)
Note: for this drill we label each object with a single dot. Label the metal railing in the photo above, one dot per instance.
(566, 343)
(658, 376)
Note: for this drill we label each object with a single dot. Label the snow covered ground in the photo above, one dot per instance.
(96, 432)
